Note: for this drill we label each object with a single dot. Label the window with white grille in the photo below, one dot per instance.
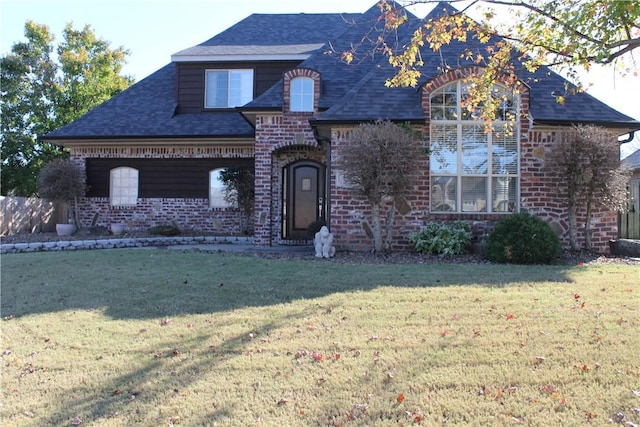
(473, 169)
(123, 186)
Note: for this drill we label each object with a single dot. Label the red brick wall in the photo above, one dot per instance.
(350, 215)
(540, 194)
(192, 215)
(280, 140)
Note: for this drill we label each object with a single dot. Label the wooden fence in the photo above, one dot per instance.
(629, 226)
(28, 215)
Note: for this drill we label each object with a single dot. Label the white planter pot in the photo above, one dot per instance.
(65, 229)
(118, 229)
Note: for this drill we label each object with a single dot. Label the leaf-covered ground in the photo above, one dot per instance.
(148, 337)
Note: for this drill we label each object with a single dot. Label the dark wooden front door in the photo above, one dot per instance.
(303, 198)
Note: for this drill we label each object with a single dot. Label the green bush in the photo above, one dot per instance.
(446, 239)
(165, 230)
(522, 238)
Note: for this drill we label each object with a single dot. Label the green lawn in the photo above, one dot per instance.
(154, 338)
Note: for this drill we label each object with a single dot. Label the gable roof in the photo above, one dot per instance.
(632, 160)
(350, 93)
(544, 85)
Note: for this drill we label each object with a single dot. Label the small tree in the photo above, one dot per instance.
(239, 182)
(587, 161)
(380, 162)
(61, 180)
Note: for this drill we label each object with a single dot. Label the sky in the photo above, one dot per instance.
(153, 30)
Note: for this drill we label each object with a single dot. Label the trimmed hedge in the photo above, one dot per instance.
(522, 238)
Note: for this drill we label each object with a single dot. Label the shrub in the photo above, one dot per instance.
(63, 181)
(165, 230)
(445, 239)
(522, 238)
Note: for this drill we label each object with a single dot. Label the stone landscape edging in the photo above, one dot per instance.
(125, 242)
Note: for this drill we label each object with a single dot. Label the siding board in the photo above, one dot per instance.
(160, 178)
(191, 80)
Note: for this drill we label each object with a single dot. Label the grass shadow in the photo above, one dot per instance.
(138, 284)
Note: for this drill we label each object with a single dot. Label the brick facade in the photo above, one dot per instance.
(281, 139)
(191, 215)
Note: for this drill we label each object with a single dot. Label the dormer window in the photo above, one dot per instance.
(301, 94)
(228, 88)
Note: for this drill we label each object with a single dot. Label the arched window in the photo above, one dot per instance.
(301, 94)
(123, 186)
(218, 197)
(473, 170)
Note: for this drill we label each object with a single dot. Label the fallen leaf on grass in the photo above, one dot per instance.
(549, 388)
(282, 402)
(165, 322)
(538, 360)
(400, 398)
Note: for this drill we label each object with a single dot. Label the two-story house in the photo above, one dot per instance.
(266, 95)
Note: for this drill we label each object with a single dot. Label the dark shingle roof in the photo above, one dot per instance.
(147, 109)
(363, 100)
(632, 160)
(350, 92)
(274, 34)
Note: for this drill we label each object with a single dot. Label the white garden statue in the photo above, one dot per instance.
(323, 241)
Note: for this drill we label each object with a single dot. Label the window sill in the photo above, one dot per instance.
(122, 207)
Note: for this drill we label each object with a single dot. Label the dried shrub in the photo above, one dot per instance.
(63, 181)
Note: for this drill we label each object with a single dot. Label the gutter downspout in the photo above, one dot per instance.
(631, 134)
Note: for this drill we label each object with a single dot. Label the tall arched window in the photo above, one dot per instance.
(473, 170)
(217, 191)
(123, 186)
(301, 94)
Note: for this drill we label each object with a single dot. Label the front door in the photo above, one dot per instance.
(303, 198)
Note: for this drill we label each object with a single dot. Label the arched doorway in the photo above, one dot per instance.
(303, 198)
